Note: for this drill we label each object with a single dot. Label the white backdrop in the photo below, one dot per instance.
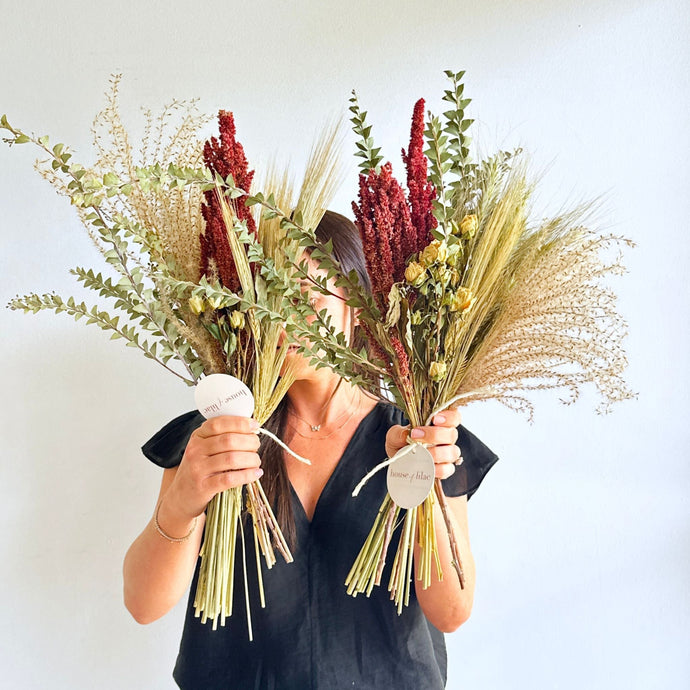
(580, 533)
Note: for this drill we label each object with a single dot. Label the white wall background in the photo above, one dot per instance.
(581, 533)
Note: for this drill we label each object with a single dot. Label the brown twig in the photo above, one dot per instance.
(455, 551)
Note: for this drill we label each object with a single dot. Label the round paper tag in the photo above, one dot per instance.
(411, 478)
(222, 394)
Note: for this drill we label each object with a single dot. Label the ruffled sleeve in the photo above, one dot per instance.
(167, 446)
(478, 459)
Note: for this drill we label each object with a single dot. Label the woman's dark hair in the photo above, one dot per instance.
(347, 250)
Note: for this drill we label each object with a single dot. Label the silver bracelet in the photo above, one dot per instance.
(161, 531)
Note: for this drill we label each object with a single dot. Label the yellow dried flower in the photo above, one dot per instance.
(437, 371)
(415, 274)
(462, 300)
(428, 255)
(215, 302)
(436, 251)
(469, 225)
(237, 319)
(196, 304)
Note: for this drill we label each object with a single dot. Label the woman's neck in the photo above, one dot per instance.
(320, 401)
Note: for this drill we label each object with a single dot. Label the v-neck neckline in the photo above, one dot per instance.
(334, 473)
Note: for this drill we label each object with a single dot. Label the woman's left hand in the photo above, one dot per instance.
(440, 438)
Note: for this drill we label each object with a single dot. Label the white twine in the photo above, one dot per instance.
(265, 432)
(388, 461)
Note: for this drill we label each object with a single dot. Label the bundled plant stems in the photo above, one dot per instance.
(253, 354)
(165, 235)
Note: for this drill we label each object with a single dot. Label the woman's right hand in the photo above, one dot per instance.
(220, 454)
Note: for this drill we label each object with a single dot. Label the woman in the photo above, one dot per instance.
(311, 634)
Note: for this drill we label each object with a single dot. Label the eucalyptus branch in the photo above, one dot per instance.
(365, 147)
(457, 124)
(337, 344)
(35, 303)
(296, 230)
(320, 333)
(107, 288)
(88, 191)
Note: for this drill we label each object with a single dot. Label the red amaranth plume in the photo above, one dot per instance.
(225, 157)
(383, 220)
(401, 357)
(421, 192)
(215, 248)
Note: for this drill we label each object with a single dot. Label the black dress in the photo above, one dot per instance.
(312, 635)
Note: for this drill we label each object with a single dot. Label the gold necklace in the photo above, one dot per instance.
(328, 435)
(324, 410)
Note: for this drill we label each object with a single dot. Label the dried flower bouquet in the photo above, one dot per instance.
(169, 228)
(473, 300)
